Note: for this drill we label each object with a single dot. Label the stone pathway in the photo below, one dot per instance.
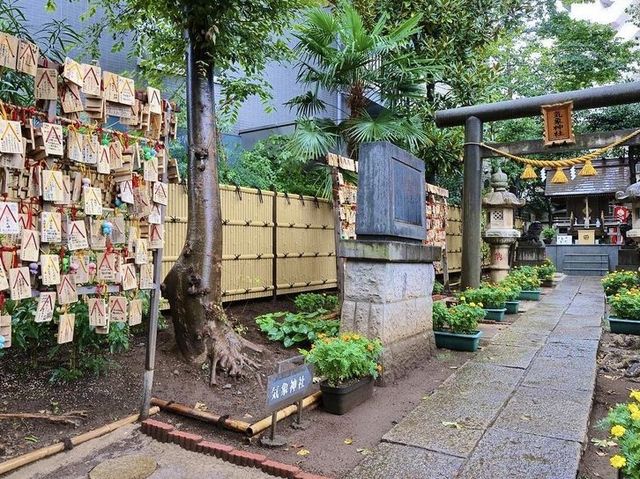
(519, 408)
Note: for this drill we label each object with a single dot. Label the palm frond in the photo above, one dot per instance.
(313, 138)
(308, 104)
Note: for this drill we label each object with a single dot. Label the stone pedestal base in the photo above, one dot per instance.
(499, 268)
(387, 294)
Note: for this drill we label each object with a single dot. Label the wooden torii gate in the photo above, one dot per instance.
(474, 117)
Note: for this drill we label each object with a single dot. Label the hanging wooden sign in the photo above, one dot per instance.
(73, 72)
(118, 230)
(66, 191)
(52, 187)
(110, 84)
(11, 137)
(156, 236)
(141, 202)
(558, 124)
(52, 135)
(92, 201)
(4, 281)
(127, 91)
(67, 289)
(76, 189)
(91, 78)
(34, 188)
(146, 276)
(9, 218)
(46, 84)
(82, 273)
(8, 50)
(154, 100)
(50, 264)
(66, 327)
(97, 240)
(91, 149)
(135, 312)
(70, 98)
(161, 193)
(118, 309)
(5, 329)
(155, 215)
(77, 236)
(115, 154)
(50, 227)
(75, 146)
(46, 306)
(28, 54)
(141, 251)
(126, 191)
(19, 283)
(30, 245)
(107, 267)
(98, 315)
(129, 279)
(104, 163)
(150, 170)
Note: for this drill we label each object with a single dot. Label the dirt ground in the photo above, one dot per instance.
(618, 373)
(117, 393)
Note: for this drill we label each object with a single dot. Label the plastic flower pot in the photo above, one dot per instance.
(343, 398)
(512, 307)
(458, 342)
(624, 326)
(547, 283)
(530, 295)
(495, 314)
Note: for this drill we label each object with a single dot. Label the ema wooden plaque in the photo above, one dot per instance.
(91, 149)
(161, 193)
(50, 227)
(50, 264)
(46, 84)
(46, 306)
(75, 146)
(30, 245)
(28, 54)
(92, 200)
(104, 163)
(135, 312)
(77, 236)
(52, 185)
(141, 251)
(4, 281)
(9, 218)
(73, 72)
(66, 328)
(11, 137)
(5, 329)
(98, 315)
(19, 283)
(118, 308)
(146, 276)
(8, 50)
(129, 279)
(67, 289)
(107, 267)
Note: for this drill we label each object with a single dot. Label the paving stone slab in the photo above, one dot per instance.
(472, 400)
(568, 374)
(506, 454)
(393, 461)
(517, 338)
(567, 331)
(586, 319)
(561, 348)
(508, 356)
(547, 412)
(135, 466)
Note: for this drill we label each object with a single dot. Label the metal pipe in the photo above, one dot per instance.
(620, 94)
(265, 423)
(47, 451)
(204, 416)
(472, 204)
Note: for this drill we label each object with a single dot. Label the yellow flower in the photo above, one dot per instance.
(635, 416)
(379, 368)
(633, 407)
(369, 347)
(618, 461)
(635, 395)
(480, 305)
(473, 305)
(462, 299)
(356, 337)
(618, 431)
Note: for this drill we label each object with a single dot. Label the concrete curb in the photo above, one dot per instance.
(163, 432)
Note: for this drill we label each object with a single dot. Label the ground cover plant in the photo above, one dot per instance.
(460, 319)
(311, 302)
(487, 296)
(297, 328)
(623, 422)
(615, 281)
(625, 304)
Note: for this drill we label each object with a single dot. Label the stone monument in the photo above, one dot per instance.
(499, 232)
(628, 254)
(389, 275)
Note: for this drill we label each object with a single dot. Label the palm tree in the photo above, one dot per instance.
(374, 69)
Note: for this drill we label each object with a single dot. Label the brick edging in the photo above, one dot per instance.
(164, 432)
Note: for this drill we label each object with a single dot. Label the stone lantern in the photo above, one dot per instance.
(632, 194)
(499, 232)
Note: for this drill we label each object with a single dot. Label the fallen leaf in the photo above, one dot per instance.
(200, 406)
(425, 397)
(31, 438)
(453, 367)
(603, 443)
(303, 452)
(348, 441)
(451, 424)
(364, 451)
(525, 417)
(600, 453)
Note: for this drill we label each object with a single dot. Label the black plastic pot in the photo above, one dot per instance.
(547, 283)
(547, 240)
(342, 399)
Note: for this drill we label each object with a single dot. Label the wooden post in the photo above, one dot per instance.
(337, 228)
(472, 204)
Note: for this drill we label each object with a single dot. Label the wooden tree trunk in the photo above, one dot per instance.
(193, 286)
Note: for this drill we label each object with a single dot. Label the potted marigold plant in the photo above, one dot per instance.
(512, 303)
(457, 327)
(526, 277)
(625, 306)
(623, 422)
(617, 280)
(491, 298)
(548, 234)
(348, 365)
(545, 273)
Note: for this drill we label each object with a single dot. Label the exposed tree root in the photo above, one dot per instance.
(74, 418)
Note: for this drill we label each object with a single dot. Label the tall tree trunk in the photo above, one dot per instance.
(193, 286)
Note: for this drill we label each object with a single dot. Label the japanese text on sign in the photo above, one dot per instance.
(289, 386)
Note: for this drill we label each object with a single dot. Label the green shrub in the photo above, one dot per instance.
(340, 359)
(438, 287)
(512, 290)
(625, 304)
(546, 270)
(617, 280)
(293, 328)
(312, 302)
(525, 277)
(460, 319)
(549, 232)
(623, 423)
(440, 313)
(490, 297)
